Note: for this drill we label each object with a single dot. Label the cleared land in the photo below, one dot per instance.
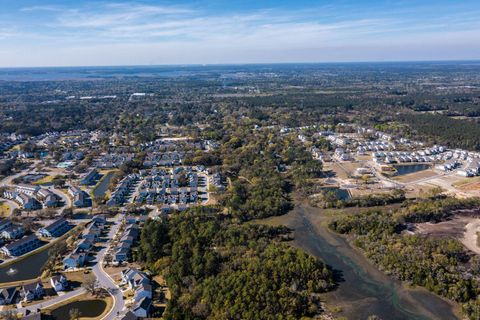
(462, 228)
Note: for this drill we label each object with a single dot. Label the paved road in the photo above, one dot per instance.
(7, 182)
(51, 302)
(104, 279)
(67, 202)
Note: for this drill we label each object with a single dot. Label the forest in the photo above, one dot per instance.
(256, 163)
(441, 265)
(444, 130)
(219, 269)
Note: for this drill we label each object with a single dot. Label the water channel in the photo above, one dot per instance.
(363, 290)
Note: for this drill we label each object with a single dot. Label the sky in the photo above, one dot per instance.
(92, 33)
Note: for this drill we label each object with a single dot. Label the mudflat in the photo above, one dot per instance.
(363, 289)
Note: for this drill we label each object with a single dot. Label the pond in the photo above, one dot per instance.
(102, 186)
(87, 309)
(341, 194)
(410, 168)
(25, 269)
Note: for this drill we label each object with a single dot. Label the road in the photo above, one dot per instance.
(51, 302)
(67, 202)
(8, 182)
(104, 279)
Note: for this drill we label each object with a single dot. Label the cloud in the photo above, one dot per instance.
(138, 23)
(115, 14)
(136, 33)
(41, 8)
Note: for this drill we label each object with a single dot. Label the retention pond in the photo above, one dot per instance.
(25, 269)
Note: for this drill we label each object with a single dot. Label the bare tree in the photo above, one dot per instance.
(74, 314)
(90, 284)
(108, 259)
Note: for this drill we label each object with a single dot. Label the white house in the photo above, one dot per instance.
(59, 283)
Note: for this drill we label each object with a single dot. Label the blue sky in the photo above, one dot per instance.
(66, 33)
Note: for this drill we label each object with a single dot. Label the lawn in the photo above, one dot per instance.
(44, 180)
(4, 209)
(466, 181)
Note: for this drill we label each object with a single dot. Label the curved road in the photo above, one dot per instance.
(7, 182)
(105, 280)
(67, 202)
(51, 302)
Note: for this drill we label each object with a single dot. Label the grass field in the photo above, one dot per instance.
(4, 209)
(466, 181)
(44, 180)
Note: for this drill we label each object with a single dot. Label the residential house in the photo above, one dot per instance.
(75, 260)
(7, 295)
(51, 201)
(78, 196)
(84, 245)
(5, 223)
(59, 282)
(22, 246)
(56, 229)
(127, 239)
(90, 177)
(142, 307)
(133, 278)
(129, 316)
(13, 232)
(100, 220)
(143, 290)
(130, 219)
(32, 291)
(122, 253)
(48, 198)
(27, 189)
(28, 202)
(92, 232)
(132, 230)
(32, 316)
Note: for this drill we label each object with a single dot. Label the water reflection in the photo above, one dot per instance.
(25, 269)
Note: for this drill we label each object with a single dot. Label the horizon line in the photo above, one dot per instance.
(243, 64)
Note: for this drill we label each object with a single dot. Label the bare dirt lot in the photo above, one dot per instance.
(452, 228)
(462, 228)
(470, 238)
